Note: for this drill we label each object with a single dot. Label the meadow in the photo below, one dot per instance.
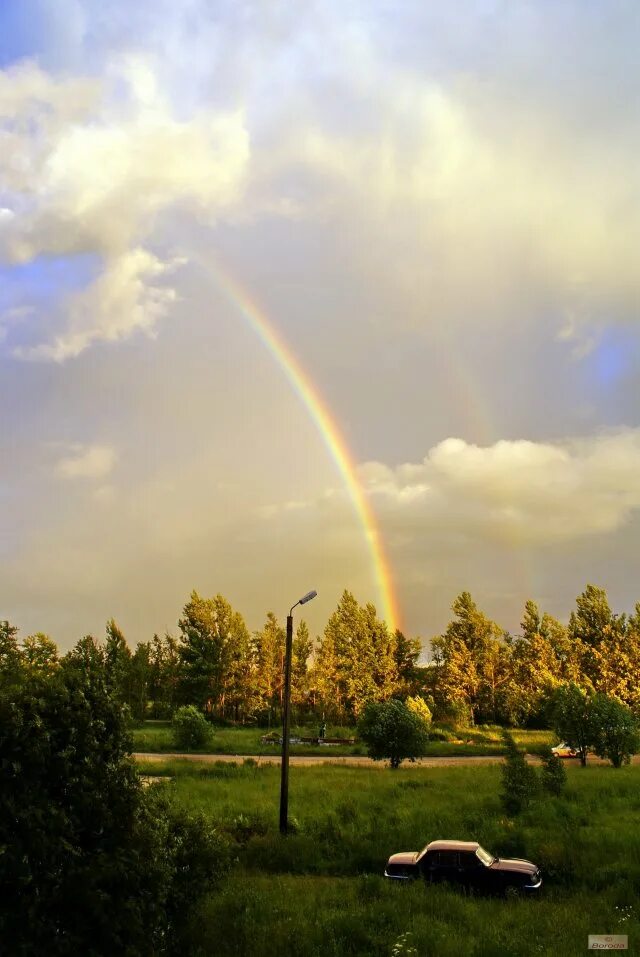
(157, 736)
(320, 890)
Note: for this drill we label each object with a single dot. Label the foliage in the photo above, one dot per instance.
(215, 662)
(191, 730)
(321, 893)
(519, 779)
(614, 730)
(420, 707)
(472, 663)
(571, 718)
(360, 660)
(89, 863)
(553, 773)
(393, 731)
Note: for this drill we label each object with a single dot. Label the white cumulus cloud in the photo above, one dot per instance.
(92, 167)
(86, 461)
(531, 493)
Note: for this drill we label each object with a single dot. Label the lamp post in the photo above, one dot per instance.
(284, 769)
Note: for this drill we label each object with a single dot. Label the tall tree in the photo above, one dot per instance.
(139, 680)
(117, 662)
(268, 653)
(164, 662)
(535, 667)
(354, 660)
(300, 655)
(215, 656)
(472, 662)
(40, 652)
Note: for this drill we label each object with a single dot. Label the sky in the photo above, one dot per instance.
(341, 294)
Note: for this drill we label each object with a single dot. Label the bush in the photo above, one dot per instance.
(614, 730)
(91, 863)
(420, 707)
(392, 730)
(190, 728)
(554, 775)
(519, 779)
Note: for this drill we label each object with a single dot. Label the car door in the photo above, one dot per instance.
(445, 867)
(471, 870)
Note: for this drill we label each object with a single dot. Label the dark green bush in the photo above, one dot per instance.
(393, 731)
(191, 730)
(519, 779)
(553, 774)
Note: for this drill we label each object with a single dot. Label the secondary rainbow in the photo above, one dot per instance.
(326, 425)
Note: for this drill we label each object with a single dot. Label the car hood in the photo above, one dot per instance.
(514, 865)
(404, 857)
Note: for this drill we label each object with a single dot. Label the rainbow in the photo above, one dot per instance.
(328, 428)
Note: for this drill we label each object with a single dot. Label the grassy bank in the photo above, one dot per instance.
(320, 890)
(156, 736)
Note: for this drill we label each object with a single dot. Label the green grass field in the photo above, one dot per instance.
(320, 891)
(156, 736)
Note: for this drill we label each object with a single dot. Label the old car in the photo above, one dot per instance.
(564, 750)
(467, 864)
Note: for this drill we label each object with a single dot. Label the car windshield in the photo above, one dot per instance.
(485, 856)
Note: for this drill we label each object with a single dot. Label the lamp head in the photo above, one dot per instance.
(307, 597)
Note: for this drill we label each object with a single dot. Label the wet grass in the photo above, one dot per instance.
(321, 891)
(156, 736)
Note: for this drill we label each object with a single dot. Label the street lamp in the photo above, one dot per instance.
(284, 770)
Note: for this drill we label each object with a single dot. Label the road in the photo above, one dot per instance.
(349, 760)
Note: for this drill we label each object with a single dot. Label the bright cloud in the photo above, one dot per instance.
(514, 491)
(89, 167)
(87, 462)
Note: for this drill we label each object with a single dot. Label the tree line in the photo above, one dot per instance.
(479, 672)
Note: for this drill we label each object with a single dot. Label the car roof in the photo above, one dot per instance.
(452, 846)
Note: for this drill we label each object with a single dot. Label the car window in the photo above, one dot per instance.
(448, 859)
(468, 861)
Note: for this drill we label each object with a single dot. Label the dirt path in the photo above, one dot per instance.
(352, 760)
(299, 759)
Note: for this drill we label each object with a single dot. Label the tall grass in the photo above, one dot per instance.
(157, 736)
(321, 890)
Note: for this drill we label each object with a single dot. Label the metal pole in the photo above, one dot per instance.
(284, 779)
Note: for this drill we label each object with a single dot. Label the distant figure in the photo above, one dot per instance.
(323, 730)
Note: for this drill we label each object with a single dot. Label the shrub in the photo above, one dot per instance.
(553, 775)
(392, 730)
(519, 779)
(614, 730)
(190, 728)
(91, 863)
(420, 707)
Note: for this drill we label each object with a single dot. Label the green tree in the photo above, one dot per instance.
(406, 652)
(472, 664)
(10, 653)
(393, 732)
(535, 667)
(90, 863)
(302, 647)
(519, 779)
(354, 660)
(593, 615)
(139, 680)
(420, 707)
(268, 653)
(40, 652)
(117, 662)
(215, 657)
(571, 719)
(164, 676)
(190, 728)
(553, 773)
(614, 730)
